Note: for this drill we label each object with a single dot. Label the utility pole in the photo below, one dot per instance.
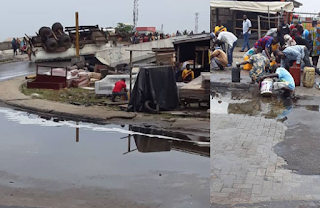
(196, 23)
(77, 35)
(135, 12)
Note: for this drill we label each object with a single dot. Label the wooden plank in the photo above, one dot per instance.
(202, 48)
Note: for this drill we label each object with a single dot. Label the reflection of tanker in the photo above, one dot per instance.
(183, 143)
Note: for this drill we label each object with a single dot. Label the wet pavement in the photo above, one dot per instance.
(168, 171)
(302, 143)
(264, 150)
(50, 163)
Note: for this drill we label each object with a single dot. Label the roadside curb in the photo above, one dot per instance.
(233, 85)
(13, 97)
(12, 61)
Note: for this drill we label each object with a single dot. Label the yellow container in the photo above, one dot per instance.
(308, 76)
(273, 63)
(275, 47)
(247, 67)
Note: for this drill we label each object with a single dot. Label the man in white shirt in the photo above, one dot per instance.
(246, 27)
(231, 40)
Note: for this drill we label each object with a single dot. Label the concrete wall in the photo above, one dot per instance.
(119, 55)
(5, 46)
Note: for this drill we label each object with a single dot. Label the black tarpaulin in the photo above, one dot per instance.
(155, 89)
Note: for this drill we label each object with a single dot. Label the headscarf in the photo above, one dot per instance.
(289, 41)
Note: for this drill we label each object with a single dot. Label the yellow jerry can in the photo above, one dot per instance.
(247, 67)
(308, 76)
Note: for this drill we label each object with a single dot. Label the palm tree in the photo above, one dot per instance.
(185, 32)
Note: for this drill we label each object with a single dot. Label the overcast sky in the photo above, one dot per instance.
(28, 16)
(312, 6)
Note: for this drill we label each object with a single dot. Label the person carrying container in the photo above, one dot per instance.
(259, 64)
(298, 54)
(266, 44)
(285, 80)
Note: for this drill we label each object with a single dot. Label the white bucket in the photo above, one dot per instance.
(266, 87)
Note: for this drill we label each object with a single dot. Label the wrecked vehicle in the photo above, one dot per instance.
(57, 42)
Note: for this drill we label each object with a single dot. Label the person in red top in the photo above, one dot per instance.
(295, 25)
(120, 89)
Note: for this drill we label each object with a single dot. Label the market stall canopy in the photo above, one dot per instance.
(253, 6)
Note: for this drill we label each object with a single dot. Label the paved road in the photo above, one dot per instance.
(246, 170)
(16, 207)
(15, 69)
(302, 143)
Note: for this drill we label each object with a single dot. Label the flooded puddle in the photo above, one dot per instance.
(106, 156)
(253, 104)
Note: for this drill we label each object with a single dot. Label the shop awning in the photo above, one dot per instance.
(253, 6)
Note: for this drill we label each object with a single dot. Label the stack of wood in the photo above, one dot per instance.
(197, 89)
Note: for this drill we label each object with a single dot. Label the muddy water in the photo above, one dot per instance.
(165, 168)
(253, 104)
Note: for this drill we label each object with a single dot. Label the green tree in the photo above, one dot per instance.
(123, 30)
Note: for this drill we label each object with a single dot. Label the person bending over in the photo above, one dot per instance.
(259, 64)
(120, 89)
(285, 80)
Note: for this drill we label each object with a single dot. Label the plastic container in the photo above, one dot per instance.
(308, 76)
(247, 67)
(235, 74)
(273, 63)
(295, 71)
(266, 87)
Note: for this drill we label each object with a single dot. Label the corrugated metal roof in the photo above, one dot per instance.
(191, 38)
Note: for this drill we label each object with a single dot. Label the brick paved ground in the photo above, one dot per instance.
(246, 172)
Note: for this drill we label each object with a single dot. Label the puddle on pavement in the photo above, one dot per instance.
(32, 147)
(253, 104)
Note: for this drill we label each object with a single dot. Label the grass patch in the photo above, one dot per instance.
(67, 95)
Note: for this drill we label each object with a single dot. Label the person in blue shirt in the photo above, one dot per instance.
(297, 53)
(285, 80)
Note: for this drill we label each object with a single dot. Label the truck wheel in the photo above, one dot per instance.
(56, 27)
(150, 107)
(51, 44)
(65, 40)
(45, 32)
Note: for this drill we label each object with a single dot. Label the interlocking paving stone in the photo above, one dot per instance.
(245, 170)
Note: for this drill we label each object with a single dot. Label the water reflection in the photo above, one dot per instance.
(198, 145)
(252, 104)
(186, 143)
(77, 133)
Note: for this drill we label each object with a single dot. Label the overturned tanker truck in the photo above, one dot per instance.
(58, 43)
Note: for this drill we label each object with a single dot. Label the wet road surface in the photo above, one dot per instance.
(302, 143)
(48, 155)
(46, 163)
(301, 115)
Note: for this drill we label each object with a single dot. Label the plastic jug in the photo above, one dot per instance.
(308, 76)
(295, 71)
(235, 74)
(247, 67)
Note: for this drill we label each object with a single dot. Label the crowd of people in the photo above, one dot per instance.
(143, 37)
(18, 46)
(275, 53)
(148, 37)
